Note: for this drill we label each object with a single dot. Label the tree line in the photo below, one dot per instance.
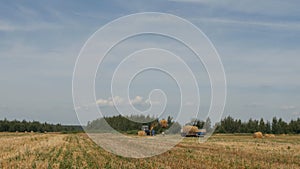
(276, 126)
(35, 126)
(131, 124)
(226, 125)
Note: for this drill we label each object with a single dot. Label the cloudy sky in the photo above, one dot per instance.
(258, 43)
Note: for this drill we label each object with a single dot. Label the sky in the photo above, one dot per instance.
(258, 43)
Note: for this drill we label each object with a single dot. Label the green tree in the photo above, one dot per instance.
(262, 126)
(275, 126)
(175, 128)
(268, 127)
(207, 125)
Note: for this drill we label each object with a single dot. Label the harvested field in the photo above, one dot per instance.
(54, 150)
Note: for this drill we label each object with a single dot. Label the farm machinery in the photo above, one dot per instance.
(145, 131)
(192, 131)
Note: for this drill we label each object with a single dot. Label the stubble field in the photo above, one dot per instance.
(55, 150)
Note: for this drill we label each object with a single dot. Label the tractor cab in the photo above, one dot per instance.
(146, 129)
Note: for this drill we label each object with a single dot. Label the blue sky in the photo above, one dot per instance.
(258, 43)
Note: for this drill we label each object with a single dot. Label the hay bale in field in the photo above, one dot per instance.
(164, 123)
(269, 135)
(141, 133)
(191, 129)
(257, 135)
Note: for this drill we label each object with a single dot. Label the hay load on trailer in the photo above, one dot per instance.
(192, 131)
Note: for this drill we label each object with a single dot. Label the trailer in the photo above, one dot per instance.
(192, 131)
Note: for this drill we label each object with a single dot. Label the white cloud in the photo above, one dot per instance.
(137, 100)
(288, 107)
(110, 101)
(29, 19)
(153, 102)
(267, 7)
(117, 100)
(254, 104)
(32, 26)
(103, 102)
(4, 26)
(189, 103)
(269, 24)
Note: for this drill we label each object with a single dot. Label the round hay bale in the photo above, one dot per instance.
(257, 135)
(164, 123)
(141, 133)
(269, 135)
